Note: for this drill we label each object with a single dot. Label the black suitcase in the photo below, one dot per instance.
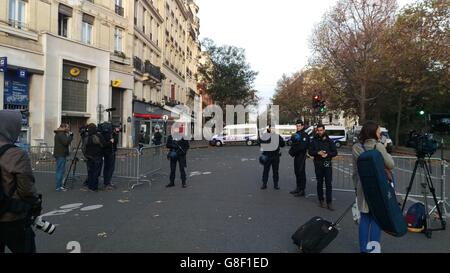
(317, 234)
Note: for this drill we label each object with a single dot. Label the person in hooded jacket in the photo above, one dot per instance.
(17, 186)
(177, 154)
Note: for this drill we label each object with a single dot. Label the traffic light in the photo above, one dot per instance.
(422, 112)
(322, 107)
(316, 101)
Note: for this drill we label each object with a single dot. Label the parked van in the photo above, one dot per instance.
(286, 131)
(246, 133)
(336, 133)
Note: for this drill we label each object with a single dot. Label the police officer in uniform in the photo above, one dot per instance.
(300, 143)
(177, 154)
(273, 157)
(323, 149)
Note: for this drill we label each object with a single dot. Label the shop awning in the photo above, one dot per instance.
(147, 116)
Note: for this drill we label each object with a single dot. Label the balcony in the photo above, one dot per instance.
(119, 10)
(153, 71)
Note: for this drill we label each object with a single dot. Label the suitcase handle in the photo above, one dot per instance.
(343, 215)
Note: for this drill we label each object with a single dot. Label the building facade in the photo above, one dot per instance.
(90, 61)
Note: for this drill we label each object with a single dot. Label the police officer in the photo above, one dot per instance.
(177, 154)
(300, 142)
(272, 151)
(323, 149)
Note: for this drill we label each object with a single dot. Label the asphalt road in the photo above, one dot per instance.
(223, 210)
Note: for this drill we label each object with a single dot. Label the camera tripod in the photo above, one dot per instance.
(73, 167)
(427, 185)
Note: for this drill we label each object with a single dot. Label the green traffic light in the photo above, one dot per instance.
(422, 113)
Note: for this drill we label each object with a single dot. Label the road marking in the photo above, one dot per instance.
(94, 207)
(74, 246)
(72, 206)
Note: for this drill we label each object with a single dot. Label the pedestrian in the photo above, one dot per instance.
(300, 142)
(369, 139)
(93, 145)
(273, 157)
(17, 189)
(177, 154)
(111, 138)
(323, 149)
(157, 137)
(63, 139)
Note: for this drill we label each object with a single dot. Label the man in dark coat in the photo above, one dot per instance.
(273, 157)
(63, 139)
(323, 149)
(177, 153)
(300, 142)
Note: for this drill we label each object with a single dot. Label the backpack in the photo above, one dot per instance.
(416, 217)
(5, 199)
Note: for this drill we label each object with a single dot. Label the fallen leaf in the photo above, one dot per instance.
(102, 234)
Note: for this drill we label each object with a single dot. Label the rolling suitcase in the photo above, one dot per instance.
(317, 234)
(379, 194)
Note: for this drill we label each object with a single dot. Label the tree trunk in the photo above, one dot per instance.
(362, 104)
(399, 118)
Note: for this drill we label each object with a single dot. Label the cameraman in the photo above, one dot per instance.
(18, 196)
(93, 145)
(63, 139)
(177, 153)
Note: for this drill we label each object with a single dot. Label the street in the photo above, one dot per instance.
(222, 210)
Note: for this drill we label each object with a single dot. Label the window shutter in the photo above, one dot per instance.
(66, 10)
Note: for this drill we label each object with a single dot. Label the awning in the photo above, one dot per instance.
(147, 116)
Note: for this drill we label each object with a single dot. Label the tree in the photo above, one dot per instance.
(227, 76)
(348, 42)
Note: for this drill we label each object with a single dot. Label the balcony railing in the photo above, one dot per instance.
(137, 64)
(153, 70)
(119, 10)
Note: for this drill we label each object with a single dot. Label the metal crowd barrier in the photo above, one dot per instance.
(343, 170)
(131, 163)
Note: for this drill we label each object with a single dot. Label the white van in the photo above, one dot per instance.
(247, 133)
(286, 131)
(336, 133)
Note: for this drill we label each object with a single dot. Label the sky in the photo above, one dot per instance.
(274, 33)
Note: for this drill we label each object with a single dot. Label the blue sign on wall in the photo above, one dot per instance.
(3, 64)
(22, 73)
(16, 89)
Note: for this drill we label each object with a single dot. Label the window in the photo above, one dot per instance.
(17, 13)
(119, 7)
(86, 29)
(118, 40)
(64, 14)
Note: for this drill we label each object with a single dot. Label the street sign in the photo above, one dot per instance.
(3, 64)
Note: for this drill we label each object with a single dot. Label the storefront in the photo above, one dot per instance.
(148, 119)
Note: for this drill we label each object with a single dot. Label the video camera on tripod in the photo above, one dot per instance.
(424, 144)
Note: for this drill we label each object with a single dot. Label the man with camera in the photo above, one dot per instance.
(177, 154)
(300, 142)
(19, 201)
(323, 149)
(63, 139)
(93, 144)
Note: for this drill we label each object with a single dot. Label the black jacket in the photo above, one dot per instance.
(179, 146)
(275, 153)
(93, 145)
(300, 143)
(322, 144)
